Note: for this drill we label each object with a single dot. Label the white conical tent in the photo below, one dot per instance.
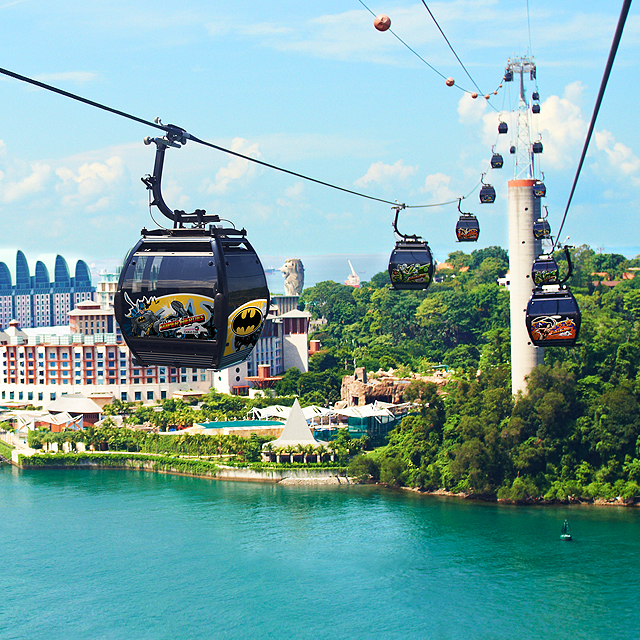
(296, 430)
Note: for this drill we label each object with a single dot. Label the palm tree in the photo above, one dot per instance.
(320, 451)
(291, 449)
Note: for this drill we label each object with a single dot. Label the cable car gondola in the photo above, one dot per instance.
(539, 190)
(411, 262)
(503, 127)
(535, 96)
(541, 229)
(193, 296)
(512, 149)
(508, 75)
(535, 108)
(467, 227)
(497, 161)
(537, 147)
(487, 193)
(552, 317)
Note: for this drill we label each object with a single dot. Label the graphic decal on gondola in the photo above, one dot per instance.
(411, 273)
(553, 328)
(245, 325)
(546, 277)
(179, 315)
(467, 233)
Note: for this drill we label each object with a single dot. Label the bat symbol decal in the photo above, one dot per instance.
(247, 321)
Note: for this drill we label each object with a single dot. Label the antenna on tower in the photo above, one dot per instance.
(524, 167)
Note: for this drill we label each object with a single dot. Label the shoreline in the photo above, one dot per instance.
(309, 477)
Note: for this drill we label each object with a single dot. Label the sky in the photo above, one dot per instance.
(314, 88)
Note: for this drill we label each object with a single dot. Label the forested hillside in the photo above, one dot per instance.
(574, 434)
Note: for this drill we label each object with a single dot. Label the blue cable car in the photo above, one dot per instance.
(467, 227)
(537, 147)
(497, 161)
(503, 127)
(487, 193)
(539, 189)
(535, 108)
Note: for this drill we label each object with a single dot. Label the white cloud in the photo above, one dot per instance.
(73, 76)
(471, 110)
(89, 182)
(383, 173)
(33, 183)
(238, 169)
(3, 148)
(621, 158)
(295, 190)
(437, 184)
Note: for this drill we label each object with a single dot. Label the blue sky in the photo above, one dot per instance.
(312, 87)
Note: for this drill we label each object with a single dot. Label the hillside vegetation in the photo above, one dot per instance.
(574, 435)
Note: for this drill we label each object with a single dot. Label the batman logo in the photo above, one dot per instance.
(247, 321)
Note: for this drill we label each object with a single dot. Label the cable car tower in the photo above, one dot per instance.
(524, 210)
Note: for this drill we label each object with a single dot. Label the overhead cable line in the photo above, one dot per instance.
(603, 85)
(395, 35)
(156, 125)
(450, 47)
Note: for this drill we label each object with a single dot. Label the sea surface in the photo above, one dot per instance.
(117, 554)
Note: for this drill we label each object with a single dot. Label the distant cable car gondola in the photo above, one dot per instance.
(537, 147)
(192, 296)
(496, 161)
(467, 227)
(487, 193)
(411, 262)
(539, 190)
(535, 108)
(552, 317)
(508, 75)
(535, 96)
(512, 149)
(503, 127)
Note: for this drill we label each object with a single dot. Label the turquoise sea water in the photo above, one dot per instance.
(115, 554)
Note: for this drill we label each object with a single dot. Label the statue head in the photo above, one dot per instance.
(293, 272)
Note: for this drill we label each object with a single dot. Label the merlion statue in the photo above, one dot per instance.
(293, 272)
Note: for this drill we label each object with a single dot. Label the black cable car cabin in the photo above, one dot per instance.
(411, 262)
(537, 147)
(512, 149)
(553, 318)
(539, 190)
(535, 96)
(503, 127)
(190, 297)
(487, 194)
(535, 108)
(411, 265)
(467, 228)
(497, 161)
(508, 75)
(541, 229)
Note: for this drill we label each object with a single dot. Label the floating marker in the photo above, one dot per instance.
(382, 22)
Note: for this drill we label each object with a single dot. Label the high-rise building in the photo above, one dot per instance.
(36, 300)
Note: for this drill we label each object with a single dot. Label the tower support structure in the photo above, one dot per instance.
(524, 210)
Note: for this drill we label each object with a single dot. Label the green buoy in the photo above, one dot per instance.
(566, 532)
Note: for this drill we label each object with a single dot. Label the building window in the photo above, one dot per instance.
(77, 356)
(12, 395)
(163, 395)
(194, 378)
(203, 377)
(40, 395)
(123, 381)
(149, 380)
(174, 379)
(30, 395)
(65, 355)
(136, 381)
(20, 395)
(52, 396)
(162, 379)
(183, 378)
(138, 395)
(149, 395)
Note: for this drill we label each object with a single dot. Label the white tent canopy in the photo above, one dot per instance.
(296, 430)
